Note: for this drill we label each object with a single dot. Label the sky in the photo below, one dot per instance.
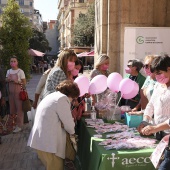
(48, 9)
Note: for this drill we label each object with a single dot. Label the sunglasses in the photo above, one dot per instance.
(146, 66)
(129, 65)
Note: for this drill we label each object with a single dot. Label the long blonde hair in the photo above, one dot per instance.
(102, 59)
(150, 58)
(63, 58)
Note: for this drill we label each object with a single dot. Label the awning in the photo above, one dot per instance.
(91, 53)
(35, 53)
(86, 54)
(83, 54)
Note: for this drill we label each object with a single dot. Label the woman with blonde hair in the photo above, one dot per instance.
(101, 68)
(61, 71)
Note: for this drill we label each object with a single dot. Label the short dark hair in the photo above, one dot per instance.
(69, 88)
(160, 63)
(136, 63)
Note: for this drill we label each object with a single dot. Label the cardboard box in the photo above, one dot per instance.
(133, 120)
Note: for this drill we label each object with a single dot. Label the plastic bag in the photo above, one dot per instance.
(31, 115)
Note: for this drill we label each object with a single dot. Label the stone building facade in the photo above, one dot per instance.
(51, 35)
(112, 16)
(69, 11)
(26, 7)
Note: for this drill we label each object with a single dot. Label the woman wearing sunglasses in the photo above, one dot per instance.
(147, 88)
(133, 73)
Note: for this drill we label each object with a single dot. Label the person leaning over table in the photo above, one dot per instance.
(159, 104)
(61, 71)
(78, 105)
(101, 68)
(147, 88)
(132, 70)
(52, 120)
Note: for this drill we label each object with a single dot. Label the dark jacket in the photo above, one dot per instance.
(2, 83)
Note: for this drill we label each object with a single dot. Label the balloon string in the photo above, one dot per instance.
(78, 104)
(119, 100)
(116, 106)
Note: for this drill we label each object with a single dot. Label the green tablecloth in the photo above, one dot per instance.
(94, 157)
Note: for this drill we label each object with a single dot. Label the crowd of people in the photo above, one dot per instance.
(39, 66)
(59, 107)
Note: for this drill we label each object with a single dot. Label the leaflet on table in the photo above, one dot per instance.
(157, 153)
(92, 122)
(105, 127)
(132, 143)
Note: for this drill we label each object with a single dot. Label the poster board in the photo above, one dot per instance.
(142, 41)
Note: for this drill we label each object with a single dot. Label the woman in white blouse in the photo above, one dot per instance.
(159, 104)
(53, 118)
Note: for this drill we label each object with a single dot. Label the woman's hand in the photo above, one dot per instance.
(134, 109)
(93, 102)
(148, 130)
(135, 113)
(34, 105)
(8, 80)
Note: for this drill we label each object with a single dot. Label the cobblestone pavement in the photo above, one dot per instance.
(14, 153)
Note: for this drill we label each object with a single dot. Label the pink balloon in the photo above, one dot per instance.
(83, 84)
(113, 81)
(128, 88)
(98, 84)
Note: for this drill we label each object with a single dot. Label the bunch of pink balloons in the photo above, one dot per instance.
(114, 82)
(98, 84)
(83, 84)
(128, 88)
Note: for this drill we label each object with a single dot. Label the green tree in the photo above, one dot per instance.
(83, 31)
(39, 42)
(14, 36)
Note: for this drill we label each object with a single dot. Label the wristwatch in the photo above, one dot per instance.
(145, 123)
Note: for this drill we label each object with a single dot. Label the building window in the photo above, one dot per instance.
(22, 10)
(30, 3)
(21, 2)
(81, 1)
(81, 15)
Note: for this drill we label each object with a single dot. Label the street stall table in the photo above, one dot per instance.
(95, 157)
